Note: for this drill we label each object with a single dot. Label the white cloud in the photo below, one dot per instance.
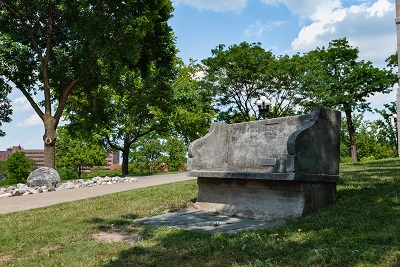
(33, 120)
(215, 5)
(308, 9)
(21, 104)
(258, 28)
(370, 28)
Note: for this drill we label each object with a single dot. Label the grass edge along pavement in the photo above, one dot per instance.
(361, 229)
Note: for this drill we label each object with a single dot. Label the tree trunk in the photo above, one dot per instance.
(352, 132)
(49, 138)
(125, 160)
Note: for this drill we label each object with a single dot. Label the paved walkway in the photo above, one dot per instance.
(12, 204)
(189, 219)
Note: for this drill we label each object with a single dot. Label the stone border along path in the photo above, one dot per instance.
(189, 219)
(24, 190)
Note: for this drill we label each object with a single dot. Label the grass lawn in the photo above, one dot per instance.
(361, 229)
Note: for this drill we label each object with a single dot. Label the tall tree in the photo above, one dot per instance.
(237, 76)
(57, 46)
(131, 108)
(337, 79)
(243, 73)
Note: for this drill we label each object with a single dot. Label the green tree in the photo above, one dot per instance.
(126, 112)
(5, 105)
(237, 76)
(57, 46)
(3, 172)
(18, 167)
(147, 153)
(152, 151)
(79, 153)
(243, 73)
(337, 80)
(192, 103)
(386, 130)
(175, 153)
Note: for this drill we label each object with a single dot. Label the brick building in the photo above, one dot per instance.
(38, 156)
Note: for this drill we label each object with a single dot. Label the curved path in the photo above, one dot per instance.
(13, 204)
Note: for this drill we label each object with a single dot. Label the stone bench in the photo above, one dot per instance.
(271, 169)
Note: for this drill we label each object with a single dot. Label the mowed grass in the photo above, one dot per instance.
(361, 229)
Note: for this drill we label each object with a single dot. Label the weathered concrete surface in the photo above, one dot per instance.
(263, 199)
(271, 169)
(304, 148)
(198, 221)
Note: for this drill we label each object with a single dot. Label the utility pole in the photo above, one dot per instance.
(398, 72)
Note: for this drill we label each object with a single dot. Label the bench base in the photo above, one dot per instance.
(263, 199)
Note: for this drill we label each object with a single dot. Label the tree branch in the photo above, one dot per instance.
(111, 144)
(26, 27)
(63, 99)
(45, 63)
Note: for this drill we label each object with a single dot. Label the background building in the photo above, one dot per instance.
(38, 156)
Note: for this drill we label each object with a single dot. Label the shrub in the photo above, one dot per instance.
(67, 173)
(18, 167)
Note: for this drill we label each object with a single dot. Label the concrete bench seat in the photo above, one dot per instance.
(260, 160)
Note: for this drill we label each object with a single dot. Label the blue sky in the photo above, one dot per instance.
(283, 26)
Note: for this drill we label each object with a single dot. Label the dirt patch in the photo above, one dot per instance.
(5, 257)
(117, 235)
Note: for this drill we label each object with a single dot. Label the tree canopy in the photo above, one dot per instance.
(54, 47)
(5, 107)
(241, 74)
(338, 80)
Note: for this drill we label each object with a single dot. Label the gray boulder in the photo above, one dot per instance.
(43, 177)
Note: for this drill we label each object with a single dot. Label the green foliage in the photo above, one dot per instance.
(237, 76)
(373, 139)
(176, 151)
(78, 153)
(100, 171)
(62, 48)
(242, 73)
(5, 104)
(3, 172)
(338, 80)
(192, 103)
(155, 152)
(386, 130)
(18, 167)
(67, 173)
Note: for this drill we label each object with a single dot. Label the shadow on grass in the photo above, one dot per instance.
(361, 229)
